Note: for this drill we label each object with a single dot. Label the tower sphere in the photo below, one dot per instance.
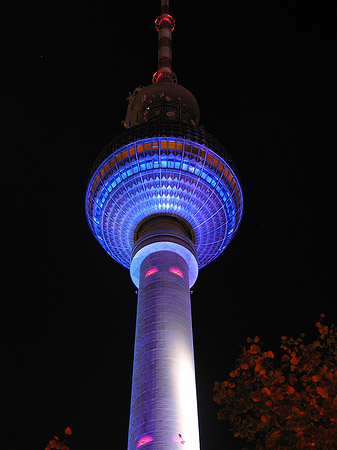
(164, 163)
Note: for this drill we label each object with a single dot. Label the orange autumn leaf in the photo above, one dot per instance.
(260, 369)
(68, 431)
(275, 435)
(294, 360)
(290, 390)
(254, 349)
(265, 391)
(322, 392)
(316, 378)
(279, 377)
(325, 330)
(297, 411)
(329, 376)
(244, 366)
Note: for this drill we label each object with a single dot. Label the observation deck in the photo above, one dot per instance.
(164, 167)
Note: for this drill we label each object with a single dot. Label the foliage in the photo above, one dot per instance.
(58, 444)
(290, 405)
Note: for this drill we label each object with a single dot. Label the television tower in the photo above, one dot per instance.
(163, 200)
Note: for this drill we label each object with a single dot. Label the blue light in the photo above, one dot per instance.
(155, 180)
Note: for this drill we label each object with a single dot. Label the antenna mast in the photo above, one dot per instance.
(164, 25)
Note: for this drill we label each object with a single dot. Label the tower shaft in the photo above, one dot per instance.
(163, 412)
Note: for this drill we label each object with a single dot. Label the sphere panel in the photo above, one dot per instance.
(164, 175)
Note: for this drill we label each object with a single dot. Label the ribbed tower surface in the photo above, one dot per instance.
(164, 199)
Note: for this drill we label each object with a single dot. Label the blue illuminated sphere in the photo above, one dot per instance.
(164, 163)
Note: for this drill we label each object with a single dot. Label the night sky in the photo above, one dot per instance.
(263, 77)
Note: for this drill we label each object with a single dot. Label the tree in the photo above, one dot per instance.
(289, 405)
(58, 444)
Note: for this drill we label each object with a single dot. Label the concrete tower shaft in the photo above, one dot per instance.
(163, 413)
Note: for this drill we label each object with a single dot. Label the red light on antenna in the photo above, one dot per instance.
(176, 271)
(151, 271)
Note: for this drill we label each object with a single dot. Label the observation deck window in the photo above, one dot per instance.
(135, 167)
(129, 171)
(149, 164)
(177, 162)
(171, 163)
(142, 164)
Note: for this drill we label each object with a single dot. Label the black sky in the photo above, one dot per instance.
(264, 77)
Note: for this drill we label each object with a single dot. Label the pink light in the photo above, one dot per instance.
(178, 438)
(176, 271)
(144, 440)
(151, 271)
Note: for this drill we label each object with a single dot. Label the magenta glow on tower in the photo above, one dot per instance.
(164, 200)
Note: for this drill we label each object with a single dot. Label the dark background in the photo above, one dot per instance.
(263, 76)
